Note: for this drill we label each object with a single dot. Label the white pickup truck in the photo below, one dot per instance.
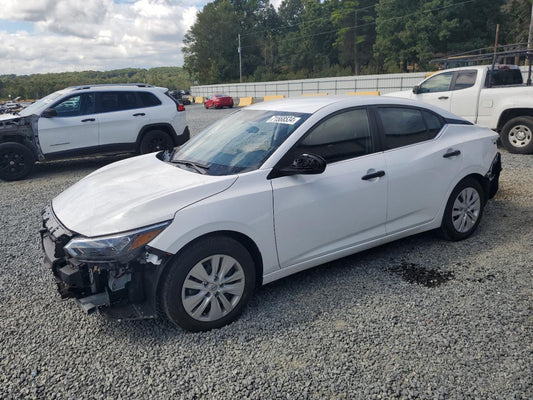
(497, 100)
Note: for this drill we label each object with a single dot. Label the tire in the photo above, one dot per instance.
(192, 295)
(517, 135)
(16, 161)
(155, 140)
(463, 211)
(205, 106)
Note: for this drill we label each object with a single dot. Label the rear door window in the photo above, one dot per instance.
(149, 99)
(404, 126)
(117, 101)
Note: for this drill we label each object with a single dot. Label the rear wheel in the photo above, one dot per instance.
(517, 135)
(463, 211)
(155, 140)
(16, 161)
(208, 285)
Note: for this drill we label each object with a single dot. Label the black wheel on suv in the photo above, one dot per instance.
(155, 140)
(16, 161)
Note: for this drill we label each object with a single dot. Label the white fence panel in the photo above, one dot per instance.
(385, 83)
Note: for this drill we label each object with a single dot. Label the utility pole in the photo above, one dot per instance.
(355, 63)
(494, 56)
(240, 60)
(530, 47)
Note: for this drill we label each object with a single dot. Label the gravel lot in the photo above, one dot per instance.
(419, 318)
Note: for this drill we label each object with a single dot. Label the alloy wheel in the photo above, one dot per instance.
(213, 288)
(466, 209)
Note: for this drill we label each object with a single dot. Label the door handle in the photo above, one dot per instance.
(373, 175)
(443, 98)
(139, 114)
(87, 120)
(452, 153)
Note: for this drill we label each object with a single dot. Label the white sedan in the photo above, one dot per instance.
(268, 191)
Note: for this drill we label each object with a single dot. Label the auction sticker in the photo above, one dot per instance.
(283, 119)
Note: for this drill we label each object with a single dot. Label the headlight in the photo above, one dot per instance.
(121, 247)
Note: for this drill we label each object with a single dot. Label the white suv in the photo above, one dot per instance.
(93, 119)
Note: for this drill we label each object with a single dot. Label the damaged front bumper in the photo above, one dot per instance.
(115, 290)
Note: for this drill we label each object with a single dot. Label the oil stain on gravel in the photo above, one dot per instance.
(414, 273)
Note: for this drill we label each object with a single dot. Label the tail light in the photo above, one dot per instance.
(181, 107)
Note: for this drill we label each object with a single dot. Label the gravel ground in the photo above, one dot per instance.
(419, 318)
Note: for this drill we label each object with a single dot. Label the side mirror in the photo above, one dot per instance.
(49, 113)
(417, 90)
(303, 164)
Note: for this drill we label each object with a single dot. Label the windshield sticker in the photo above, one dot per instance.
(283, 119)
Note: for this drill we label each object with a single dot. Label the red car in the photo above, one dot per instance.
(218, 101)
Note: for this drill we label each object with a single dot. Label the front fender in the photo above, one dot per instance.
(244, 208)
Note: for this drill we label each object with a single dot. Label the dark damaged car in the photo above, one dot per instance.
(87, 120)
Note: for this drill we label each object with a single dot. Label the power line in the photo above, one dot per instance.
(306, 22)
(369, 23)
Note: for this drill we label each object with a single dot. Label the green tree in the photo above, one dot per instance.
(413, 32)
(517, 14)
(210, 46)
(356, 33)
(310, 49)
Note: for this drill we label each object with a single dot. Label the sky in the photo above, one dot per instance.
(40, 36)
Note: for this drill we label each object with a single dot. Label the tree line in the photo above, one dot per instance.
(315, 38)
(36, 86)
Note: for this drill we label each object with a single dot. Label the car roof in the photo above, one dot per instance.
(309, 105)
(115, 86)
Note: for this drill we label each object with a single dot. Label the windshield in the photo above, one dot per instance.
(41, 104)
(240, 142)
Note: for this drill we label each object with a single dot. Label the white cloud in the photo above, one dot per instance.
(73, 35)
(76, 35)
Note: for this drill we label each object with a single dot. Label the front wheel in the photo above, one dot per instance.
(155, 140)
(517, 135)
(208, 285)
(463, 211)
(16, 161)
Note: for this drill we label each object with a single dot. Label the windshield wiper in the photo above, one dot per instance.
(200, 168)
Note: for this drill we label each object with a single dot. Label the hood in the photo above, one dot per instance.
(132, 193)
(405, 94)
(5, 117)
